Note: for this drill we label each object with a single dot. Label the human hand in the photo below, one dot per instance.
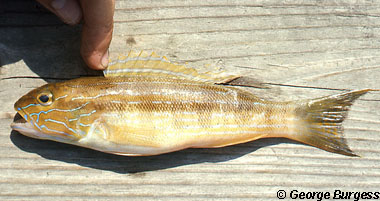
(97, 26)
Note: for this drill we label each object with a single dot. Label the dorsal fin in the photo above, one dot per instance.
(144, 64)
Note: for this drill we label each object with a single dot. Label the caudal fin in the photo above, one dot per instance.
(323, 118)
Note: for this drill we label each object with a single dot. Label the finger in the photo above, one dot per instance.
(69, 11)
(97, 32)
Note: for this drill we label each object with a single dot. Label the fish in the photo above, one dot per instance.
(146, 105)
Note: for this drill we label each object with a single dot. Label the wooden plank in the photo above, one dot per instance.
(302, 49)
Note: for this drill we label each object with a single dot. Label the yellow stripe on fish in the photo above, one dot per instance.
(146, 105)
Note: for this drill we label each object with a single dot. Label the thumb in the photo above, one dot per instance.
(97, 32)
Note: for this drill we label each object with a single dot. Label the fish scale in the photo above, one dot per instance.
(146, 105)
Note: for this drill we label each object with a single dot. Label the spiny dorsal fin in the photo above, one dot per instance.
(144, 64)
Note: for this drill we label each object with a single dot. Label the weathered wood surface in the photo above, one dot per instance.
(309, 48)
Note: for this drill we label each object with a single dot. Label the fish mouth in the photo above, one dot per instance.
(21, 125)
(18, 121)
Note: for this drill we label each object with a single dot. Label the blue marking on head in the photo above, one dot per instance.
(82, 115)
(84, 125)
(32, 104)
(36, 125)
(61, 110)
(43, 126)
(18, 109)
(63, 123)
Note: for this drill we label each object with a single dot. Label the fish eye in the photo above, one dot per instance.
(45, 98)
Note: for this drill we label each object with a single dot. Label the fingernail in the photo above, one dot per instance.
(58, 4)
(105, 60)
(68, 11)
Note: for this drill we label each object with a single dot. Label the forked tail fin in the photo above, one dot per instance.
(323, 118)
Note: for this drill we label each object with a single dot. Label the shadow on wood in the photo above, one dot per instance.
(125, 164)
(47, 46)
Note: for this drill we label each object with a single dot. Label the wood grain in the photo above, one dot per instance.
(301, 49)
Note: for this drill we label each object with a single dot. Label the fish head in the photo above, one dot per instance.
(46, 115)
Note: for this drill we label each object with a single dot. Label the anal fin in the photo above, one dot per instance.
(229, 142)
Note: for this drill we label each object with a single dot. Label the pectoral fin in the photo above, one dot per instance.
(244, 81)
